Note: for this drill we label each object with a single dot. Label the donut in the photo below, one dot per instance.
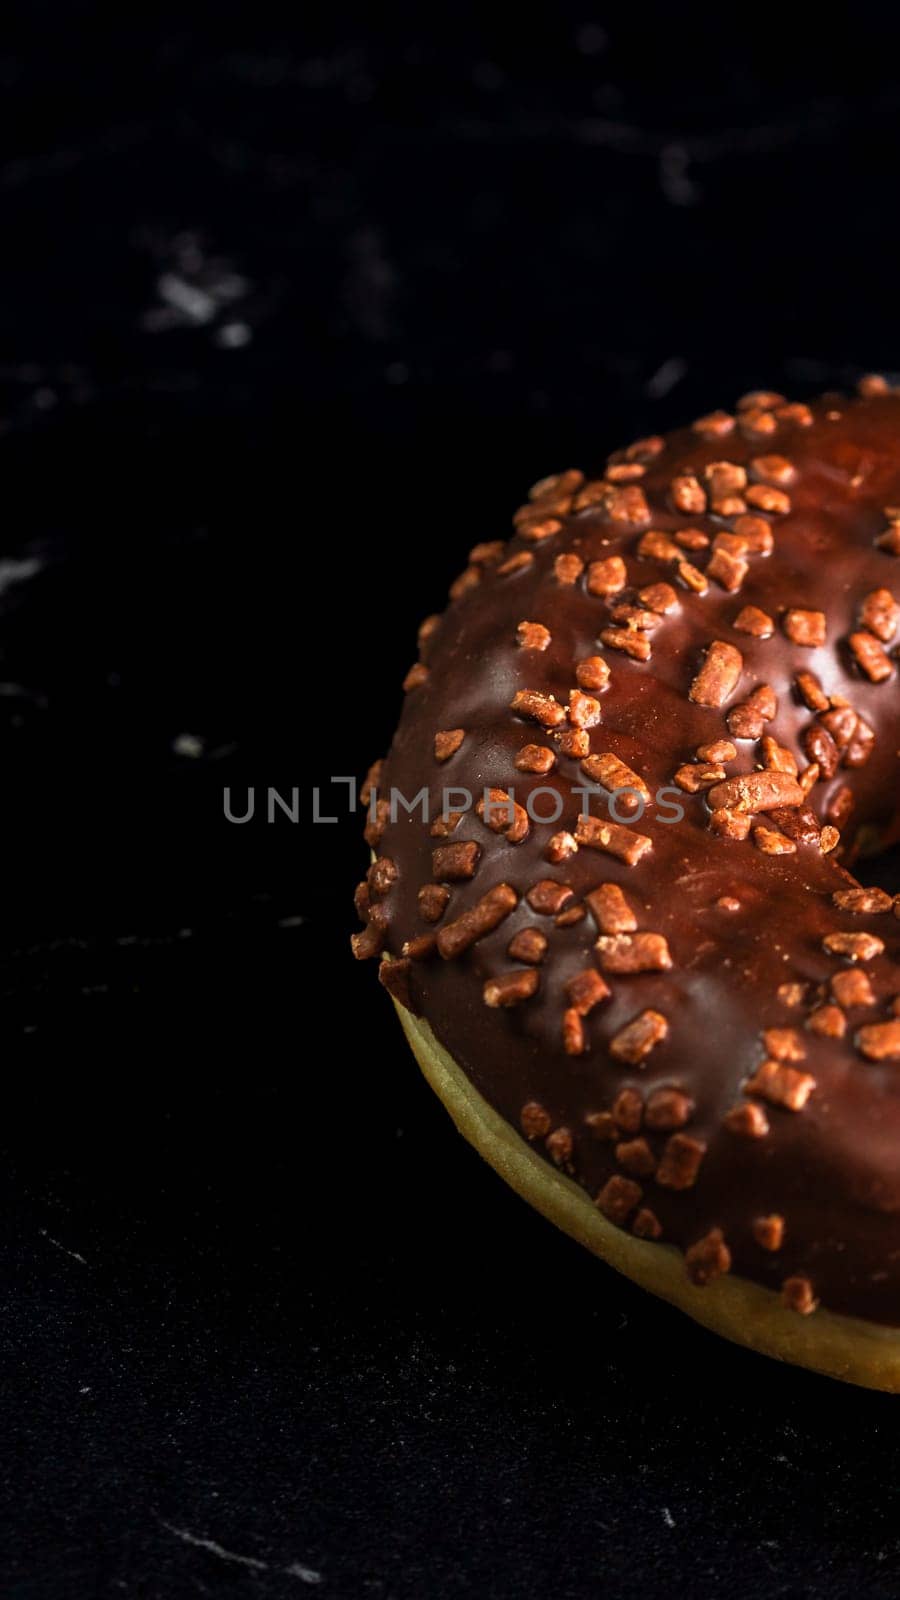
(610, 890)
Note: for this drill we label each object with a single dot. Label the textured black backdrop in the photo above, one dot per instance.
(292, 306)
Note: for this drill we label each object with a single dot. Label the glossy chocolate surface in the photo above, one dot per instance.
(740, 924)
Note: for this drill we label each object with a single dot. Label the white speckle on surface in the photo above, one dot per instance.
(193, 302)
(196, 290)
(665, 377)
(296, 1569)
(306, 1574)
(291, 922)
(65, 1250)
(233, 335)
(216, 1549)
(188, 744)
(18, 691)
(668, 1518)
(12, 572)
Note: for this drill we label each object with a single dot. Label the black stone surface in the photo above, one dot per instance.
(293, 307)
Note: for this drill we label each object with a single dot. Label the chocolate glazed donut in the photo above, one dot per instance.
(653, 730)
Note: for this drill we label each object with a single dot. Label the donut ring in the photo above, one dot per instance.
(610, 889)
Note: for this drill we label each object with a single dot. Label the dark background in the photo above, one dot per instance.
(292, 308)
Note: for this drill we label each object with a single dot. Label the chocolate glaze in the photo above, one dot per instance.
(832, 1169)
